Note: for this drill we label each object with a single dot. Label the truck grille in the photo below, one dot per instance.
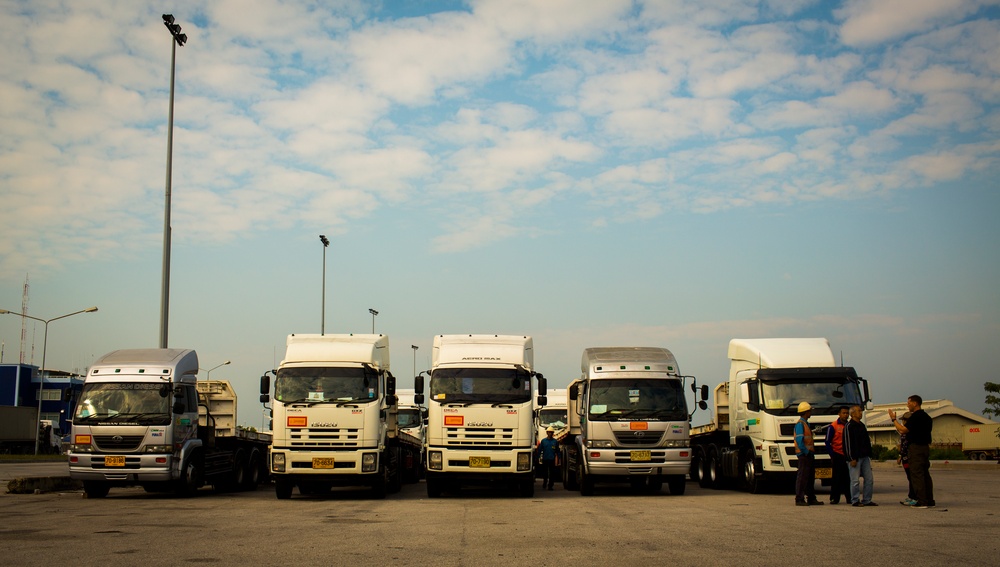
(479, 437)
(118, 443)
(647, 439)
(323, 437)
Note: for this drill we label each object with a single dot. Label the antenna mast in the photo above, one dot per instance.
(24, 319)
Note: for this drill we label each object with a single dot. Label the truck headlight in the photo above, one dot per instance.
(434, 460)
(600, 444)
(158, 449)
(775, 454)
(369, 462)
(278, 462)
(679, 443)
(524, 461)
(77, 448)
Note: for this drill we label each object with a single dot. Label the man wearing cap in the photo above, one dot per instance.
(858, 449)
(548, 453)
(805, 451)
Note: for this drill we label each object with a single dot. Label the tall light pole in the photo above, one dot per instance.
(414, 347)
(374, 313)
(45, 346)
(322, 323)
(208, 373)
(177, 38)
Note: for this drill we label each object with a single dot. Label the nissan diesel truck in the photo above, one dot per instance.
(333, 417)
(480, 412)
(628, 421)
(145, 419)
(750, 441)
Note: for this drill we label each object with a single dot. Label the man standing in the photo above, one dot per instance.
(548, 452)
(840, 485)
(805, 451)
(858, 450)
(918, 433)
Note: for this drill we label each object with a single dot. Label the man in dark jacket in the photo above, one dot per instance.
(858, 452)
(918, 433)
(835, 448)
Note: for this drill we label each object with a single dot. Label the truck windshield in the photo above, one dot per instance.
(640, 399)
(480, 385)
(783, 398)
(407, 418)
(548, 417)
(326, 384)
(123, 402)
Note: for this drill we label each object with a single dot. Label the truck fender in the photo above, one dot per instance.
(188, 449)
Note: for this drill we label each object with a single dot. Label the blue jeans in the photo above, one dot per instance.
(862, 469)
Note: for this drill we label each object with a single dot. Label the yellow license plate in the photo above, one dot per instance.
(825, 473)
(322, 463)
(114, 461)
(641, 456)
(479, 462)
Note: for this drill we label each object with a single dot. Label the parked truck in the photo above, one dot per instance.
(554, 414)
(19, 428)
(144, 419)
(981, 441)
(410, 419)
(628, 421)
(750, 441)
(334, 417)
(480, 412)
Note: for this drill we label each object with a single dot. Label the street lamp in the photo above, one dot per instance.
(374, 313)
(208, 373)
(414, 347)
(178, 38)
(45, 345)
(322, 323)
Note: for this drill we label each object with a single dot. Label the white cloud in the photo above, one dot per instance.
(875, 21)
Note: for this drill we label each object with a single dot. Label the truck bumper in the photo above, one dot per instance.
(466, 463)
(325, 465)
(137, 468)
(615, 462)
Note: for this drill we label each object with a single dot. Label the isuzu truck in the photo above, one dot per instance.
(750, 441)
(334, 418)
(480, 412)
(628, 421)
(145, 419)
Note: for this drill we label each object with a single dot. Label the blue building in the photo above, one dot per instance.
(19, 386)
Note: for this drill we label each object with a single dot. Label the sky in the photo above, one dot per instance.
(590, 173)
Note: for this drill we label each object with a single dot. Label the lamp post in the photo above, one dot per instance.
(208, 373)
(45, 346)
(414, 347)
(177, 38)
(374, 313)
(322, 308)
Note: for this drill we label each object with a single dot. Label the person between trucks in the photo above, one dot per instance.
(840, 484)
(918, 433)
(548, 454)
(805, 451)
(858, 449)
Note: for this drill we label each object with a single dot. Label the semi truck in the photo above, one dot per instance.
(750, 441)
(628, 421)
(480, 412)
(334, 417)
(145, 419)
(981, 441)
(554, 414)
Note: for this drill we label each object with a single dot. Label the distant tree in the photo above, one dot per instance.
(992, 400)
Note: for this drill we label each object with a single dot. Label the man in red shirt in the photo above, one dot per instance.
(840, 484)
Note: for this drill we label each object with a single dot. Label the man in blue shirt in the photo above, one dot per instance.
(548, 453)
(805, 451)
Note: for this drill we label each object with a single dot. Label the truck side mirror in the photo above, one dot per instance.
(704, 393)
(264, 398)
(703, 404)
(265, 384)
(573, 394)
(178, 407)
(68, 394)
(418, 384)
(390, 385)
(543, 389)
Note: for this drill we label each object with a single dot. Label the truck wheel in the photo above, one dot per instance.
(749, 480)
(252, 477)
(655, 483)
(526, 488)
(379, 486)
(569, 479)
(585, 481)
(702, 473)
(433, 488)
(677, 484)
(191, 477)
(96, 489)
(282, 489)
(712, 471)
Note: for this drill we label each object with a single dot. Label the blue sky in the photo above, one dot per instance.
(597, 173)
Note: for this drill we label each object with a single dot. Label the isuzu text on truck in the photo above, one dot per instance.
(480, 412)
(144, 419)
(751, 438)
(628, 421)
(334, 417)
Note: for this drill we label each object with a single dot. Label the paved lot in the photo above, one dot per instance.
(480, 527)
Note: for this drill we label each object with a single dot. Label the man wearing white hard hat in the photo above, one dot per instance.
(805, 451)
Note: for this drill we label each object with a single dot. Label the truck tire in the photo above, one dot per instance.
(526, 488)
(702, 472)
(96, 488)
(677, 484)
(713, 468)
(283, 488)
(252, 478)
(749, 480)
(433, 488)
(379, 488)
(191, 477)
(585, 481)
(655, 483)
